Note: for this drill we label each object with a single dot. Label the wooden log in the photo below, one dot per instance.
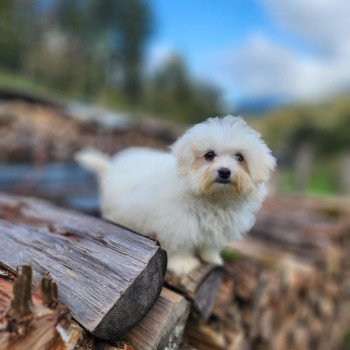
(108, 276)
(163, 326)
(25, 323)
(224, 298)
(187, 347)
(199, 286)
(213, 335)
(67, 185)
(160, 329)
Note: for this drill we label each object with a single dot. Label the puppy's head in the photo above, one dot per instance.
(223, 156)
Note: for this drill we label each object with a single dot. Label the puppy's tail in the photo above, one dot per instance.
(93, 160)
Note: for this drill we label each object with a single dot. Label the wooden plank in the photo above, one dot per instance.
(199, 286)
(108, 276)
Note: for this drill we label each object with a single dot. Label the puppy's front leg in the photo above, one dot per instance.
(181, 264)
(211, 255)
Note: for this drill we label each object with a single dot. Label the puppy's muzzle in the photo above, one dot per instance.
(224, 175)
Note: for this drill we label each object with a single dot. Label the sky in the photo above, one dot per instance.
(291, 50)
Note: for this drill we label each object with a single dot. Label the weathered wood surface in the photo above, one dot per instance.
(163, 326)
(106, 275)
(284, 288)
(26, 323)
(199, 286)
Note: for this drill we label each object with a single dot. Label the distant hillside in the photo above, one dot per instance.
(330, 118)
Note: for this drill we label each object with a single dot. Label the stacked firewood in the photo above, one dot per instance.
(287, 284)
(39, 134)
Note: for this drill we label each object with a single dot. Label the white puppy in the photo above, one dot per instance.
(195, 199)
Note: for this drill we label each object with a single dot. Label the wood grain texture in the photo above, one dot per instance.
(108, 276)
(200, 286)
(163, 326)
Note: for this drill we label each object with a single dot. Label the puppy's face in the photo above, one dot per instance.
(221, 157)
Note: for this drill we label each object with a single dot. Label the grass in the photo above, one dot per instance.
(106, 97)
(322, 182)
(229, 254)
(13, 81)
(345, 343)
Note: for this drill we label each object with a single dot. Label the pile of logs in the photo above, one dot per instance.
(94, 285)
(110, 279)
(286, 286)
(40, 133)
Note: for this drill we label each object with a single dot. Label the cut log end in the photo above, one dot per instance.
(136, 301)
(199, 286)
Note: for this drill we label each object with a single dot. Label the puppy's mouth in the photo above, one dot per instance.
(223, 181)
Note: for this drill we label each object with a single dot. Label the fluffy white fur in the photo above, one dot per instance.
(176, 197)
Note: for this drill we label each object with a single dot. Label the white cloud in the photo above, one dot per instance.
(264, 68)
(322, 23)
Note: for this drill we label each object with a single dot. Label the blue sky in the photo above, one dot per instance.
(258, 48)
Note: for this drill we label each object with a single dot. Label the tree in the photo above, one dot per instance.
(126, 24)
(117, 29)
(172, 92)
(102, 43)
(17, 32)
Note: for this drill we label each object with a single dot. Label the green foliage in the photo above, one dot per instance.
(16, 32)
(323, 180)
(345, 341)
(326, 125)
(76, 46)
(229, 254)
(172, 93)
(93, 50)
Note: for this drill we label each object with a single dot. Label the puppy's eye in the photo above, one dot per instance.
(239, 157)
(210, 155)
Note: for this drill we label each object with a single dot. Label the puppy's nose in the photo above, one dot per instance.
(224, 173)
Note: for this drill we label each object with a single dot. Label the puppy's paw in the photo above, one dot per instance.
(182, 264)
(211, 257)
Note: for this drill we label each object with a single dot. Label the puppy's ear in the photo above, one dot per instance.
(182, 150)
(263, 166)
